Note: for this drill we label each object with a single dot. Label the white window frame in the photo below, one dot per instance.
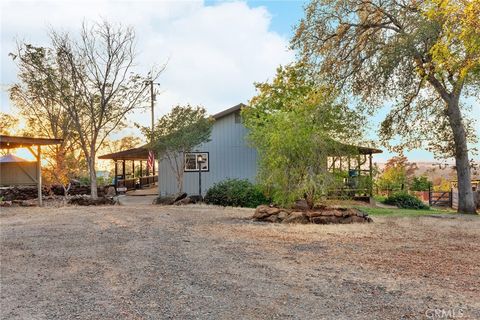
(206, 164)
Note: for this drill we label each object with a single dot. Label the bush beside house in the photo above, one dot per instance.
(235, 193)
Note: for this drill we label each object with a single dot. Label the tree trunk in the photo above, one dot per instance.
(466, 202)
(93, 177)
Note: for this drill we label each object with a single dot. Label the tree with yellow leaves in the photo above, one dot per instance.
(421, 55)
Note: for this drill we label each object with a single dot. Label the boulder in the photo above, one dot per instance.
(110, 192)
(183, 201)
(311, 214)
(296, 217)
(325, 219)
(179, 196)
(272, 210)
(301, 205)
(272, 218)
(164, 200)
(84, 200)
(261, 212)
(282, 215)
(5, 203)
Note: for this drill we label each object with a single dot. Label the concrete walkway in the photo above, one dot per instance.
(127, 200)
(138, 197)
(152, 191)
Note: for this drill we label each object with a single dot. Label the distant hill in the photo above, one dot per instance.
(435, 171)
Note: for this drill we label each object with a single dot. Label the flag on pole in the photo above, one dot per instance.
(150, 160)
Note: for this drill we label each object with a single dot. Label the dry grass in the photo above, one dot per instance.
(208, 262)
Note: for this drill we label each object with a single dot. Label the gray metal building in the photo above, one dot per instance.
(228, 156)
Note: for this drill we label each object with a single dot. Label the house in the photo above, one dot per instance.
(226, 155)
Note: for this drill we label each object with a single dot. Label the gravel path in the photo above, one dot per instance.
(150, 262)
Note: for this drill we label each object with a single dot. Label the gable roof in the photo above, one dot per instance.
(228, 111)
(11, 158)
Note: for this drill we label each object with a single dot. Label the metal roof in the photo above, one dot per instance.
(12, 142)
(11, 158)
(140, 153)
(228, 111)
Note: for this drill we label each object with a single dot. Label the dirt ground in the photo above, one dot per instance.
(150, 262)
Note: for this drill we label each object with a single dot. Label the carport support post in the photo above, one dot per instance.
(116, 175)
(39, 176)
(370, 169)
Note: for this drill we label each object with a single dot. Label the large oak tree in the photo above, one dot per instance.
(423, 56)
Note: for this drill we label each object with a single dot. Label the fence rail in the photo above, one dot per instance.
(132, 184)
(440, 198)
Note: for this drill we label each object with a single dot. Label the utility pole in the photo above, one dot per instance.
(152, 104)
(152, 101)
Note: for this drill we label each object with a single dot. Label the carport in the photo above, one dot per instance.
(34, 146)
(129, 181)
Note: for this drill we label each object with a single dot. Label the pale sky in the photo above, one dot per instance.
(215, 50)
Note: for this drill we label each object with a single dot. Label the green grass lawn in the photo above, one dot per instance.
(404, 212)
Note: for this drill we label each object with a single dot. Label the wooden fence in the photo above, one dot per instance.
(440, 198)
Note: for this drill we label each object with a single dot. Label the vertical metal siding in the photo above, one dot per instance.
(230, 157)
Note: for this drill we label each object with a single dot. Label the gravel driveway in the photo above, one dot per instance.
(150, 262)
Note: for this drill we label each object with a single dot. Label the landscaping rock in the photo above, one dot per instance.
(164, 200)
(261, 212)
(282, 215)
(273, 210)
(170, 199)
(179, 196)
(319, 215)
(5, 203)
(272, 218)
(22, 192)
(301, 205)
(325, 219)
(183, 201)
(110, 192)
(296, 217)
(84, 200)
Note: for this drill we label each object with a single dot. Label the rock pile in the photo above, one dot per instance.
(21, 203)
(85, 200)
(22, 192)
(31, 192)
(323, 215)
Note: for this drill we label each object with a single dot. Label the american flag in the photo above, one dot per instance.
(150, 160)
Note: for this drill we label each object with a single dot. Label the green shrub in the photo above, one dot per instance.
(405, 201)
(236, 193)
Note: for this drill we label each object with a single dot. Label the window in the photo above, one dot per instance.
(191, 161)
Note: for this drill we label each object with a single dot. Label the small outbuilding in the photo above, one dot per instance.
(17, 171)
(34, 145)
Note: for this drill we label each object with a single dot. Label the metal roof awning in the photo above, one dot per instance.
(12, 142)
(140, 153)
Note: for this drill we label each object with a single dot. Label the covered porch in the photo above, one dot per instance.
(131, 169)
(353, 168)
